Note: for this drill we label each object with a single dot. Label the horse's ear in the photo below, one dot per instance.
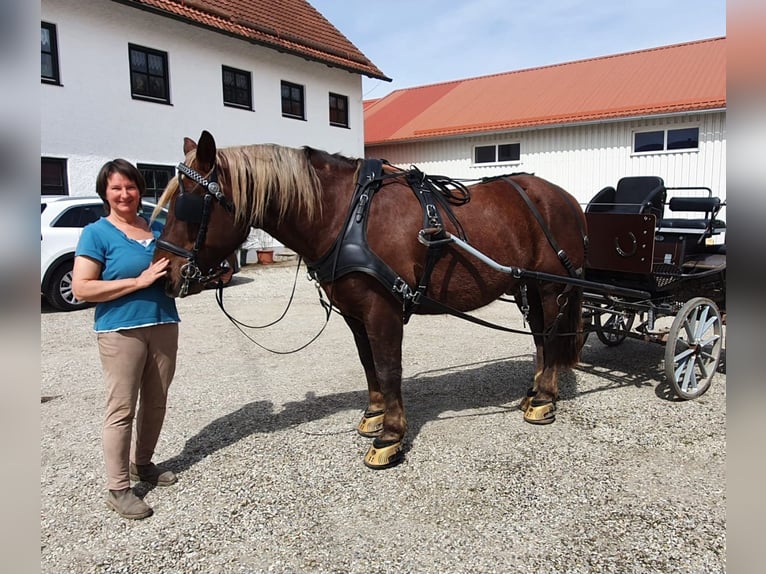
(189, 145)
(206, 150)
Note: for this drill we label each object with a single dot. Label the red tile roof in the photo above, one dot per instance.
(292, 26)
(678, 78)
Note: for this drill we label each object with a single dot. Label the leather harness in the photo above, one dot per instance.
(351, 253)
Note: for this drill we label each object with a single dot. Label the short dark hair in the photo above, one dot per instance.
(126, 169)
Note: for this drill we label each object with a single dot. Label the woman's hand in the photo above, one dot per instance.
(88, 286)
(155, 270)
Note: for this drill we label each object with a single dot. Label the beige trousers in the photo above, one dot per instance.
(138, 365)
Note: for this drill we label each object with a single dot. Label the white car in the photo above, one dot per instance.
(62, 218)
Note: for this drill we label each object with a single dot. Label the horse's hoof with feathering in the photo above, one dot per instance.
(371, 424)
(524, 404)
(540, 412)
(384, 454)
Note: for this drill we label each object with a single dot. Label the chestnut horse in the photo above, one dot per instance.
(306, 198)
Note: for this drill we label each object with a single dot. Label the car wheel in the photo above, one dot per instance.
(59, 289)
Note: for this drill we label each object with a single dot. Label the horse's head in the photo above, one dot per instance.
(200, 231)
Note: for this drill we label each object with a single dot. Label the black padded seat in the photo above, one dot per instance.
(637, 194)
(701, 224)
(710, 206)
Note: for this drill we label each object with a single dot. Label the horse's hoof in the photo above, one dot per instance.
(540, 412)
(524, 404)
(371, 424)
(383, 454)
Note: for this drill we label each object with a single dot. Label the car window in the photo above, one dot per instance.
(161, 216)
(79, 216)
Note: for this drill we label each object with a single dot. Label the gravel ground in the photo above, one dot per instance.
(270, 467)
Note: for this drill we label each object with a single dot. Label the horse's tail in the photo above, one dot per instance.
(570, 338)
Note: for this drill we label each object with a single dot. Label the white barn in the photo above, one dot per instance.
(582, 125)
(132, 78)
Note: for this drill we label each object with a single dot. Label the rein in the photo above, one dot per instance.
(241, 326)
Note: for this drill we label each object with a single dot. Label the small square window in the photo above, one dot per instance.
(666, 140)
(484, 154)
(649, 141)
(500, 153)
(687, 138)
(49, 57)
(292, 101)
(237, 88)
(509, 152)
(53, 176)
(149, 78)
(338, 110)
(156, 178)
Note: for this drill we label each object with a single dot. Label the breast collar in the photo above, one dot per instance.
(350, 252)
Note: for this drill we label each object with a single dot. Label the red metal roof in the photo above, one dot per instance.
(678, 78)
(292, 26)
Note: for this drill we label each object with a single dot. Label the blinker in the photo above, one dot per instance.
(189, 208)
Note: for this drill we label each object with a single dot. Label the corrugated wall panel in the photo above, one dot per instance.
(581, 159)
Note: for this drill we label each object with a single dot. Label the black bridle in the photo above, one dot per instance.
(195, 209)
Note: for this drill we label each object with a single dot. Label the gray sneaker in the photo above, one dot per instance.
(128, 505)
(152, 474)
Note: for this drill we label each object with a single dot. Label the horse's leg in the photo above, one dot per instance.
(539, 364)
(540, 403)
(384, 333)
(371, 424)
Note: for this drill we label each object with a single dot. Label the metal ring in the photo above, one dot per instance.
(622, 252)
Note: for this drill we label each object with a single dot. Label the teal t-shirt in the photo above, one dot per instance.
(122, 257)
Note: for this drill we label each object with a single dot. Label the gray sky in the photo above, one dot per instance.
(418, 42)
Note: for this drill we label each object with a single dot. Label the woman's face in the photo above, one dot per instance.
(122, 195)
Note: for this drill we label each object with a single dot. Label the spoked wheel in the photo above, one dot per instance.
(694, 347)
(617, 325)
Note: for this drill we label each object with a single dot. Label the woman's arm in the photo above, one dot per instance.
(87, 284)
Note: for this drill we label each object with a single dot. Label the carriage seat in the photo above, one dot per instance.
(710, 206)
(637, 194)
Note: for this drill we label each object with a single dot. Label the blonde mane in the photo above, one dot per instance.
(259, 176)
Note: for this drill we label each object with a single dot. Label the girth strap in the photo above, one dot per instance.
(433, 227)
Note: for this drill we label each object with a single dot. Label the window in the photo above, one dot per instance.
(148, 74)
(49, 65)
(292, 101)
(237, 91)
(156, 177)
(666, 140)
(53, 176)
(501, 153)
(338, 110)
(80, 215)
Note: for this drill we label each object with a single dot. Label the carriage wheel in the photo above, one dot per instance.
(694, 348)
(618, 324)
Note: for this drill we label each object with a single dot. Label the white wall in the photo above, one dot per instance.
(92, 118)
(581, 159)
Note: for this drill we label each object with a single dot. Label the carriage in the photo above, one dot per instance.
(384, 243)
(657, 278)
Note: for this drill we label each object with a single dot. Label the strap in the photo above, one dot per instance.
(562, 255)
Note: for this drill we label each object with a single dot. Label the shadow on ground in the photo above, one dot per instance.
(498, 384)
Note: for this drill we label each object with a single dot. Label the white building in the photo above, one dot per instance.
(582, 125)
(132, 78)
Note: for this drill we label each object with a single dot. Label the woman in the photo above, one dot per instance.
(137, 332)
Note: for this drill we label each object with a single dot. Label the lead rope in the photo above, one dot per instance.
(240, 325)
